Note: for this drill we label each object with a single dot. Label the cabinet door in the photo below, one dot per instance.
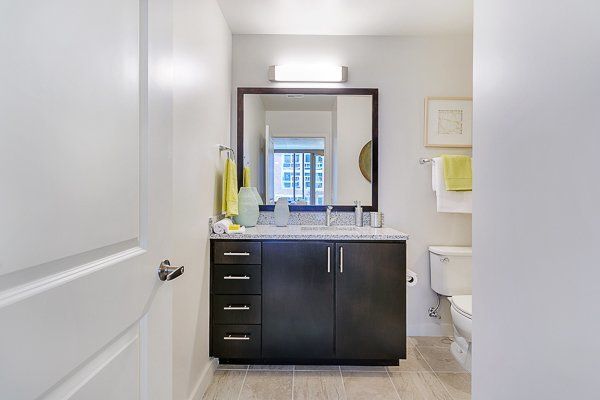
(297, 318)
(370, 301)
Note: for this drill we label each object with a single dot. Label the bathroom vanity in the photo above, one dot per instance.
(309, 295)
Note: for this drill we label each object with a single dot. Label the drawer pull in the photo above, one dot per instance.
(230, 337)
(236, 308)
(236, 277)
(236, 254)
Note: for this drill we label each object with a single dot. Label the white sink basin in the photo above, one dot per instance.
(329, 228)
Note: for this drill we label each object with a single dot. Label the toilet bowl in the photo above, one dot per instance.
(451, 277)
(461, 308)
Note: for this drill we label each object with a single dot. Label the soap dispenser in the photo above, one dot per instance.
(282, 212)
(358, 214)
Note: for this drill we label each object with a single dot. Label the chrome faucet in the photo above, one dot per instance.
(328, 218)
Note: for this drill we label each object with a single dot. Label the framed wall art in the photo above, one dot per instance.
(448, 122)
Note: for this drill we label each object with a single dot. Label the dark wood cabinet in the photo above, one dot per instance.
(236, 252)
(298, 314)
(370, 298)
(236, 309)
(327, 302)
(236, 279)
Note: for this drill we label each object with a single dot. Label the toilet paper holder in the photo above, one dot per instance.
(411, 278)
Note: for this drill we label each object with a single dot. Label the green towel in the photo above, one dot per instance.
(457, 173)
(229, 203)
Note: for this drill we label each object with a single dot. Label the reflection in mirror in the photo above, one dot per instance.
(314, 150)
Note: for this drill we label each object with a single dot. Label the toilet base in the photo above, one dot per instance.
(461, 350)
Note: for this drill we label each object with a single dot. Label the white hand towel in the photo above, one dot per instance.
(222, 226)
(449, 201)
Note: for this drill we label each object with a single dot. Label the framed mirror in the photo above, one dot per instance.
(316, 147)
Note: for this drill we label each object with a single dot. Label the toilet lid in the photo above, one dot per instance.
(463, 304)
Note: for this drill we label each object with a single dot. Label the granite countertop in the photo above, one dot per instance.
(315, 232)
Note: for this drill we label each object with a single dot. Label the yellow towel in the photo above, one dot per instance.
(229, 203)
(246, 177)
(457, 173)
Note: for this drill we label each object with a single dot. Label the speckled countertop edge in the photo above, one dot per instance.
(289, 233)
(265, 229)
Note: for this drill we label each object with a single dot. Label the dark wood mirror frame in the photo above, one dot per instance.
(374, 93)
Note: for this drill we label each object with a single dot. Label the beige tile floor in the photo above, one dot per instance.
(428, 373)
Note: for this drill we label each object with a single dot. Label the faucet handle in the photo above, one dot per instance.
(329, 208)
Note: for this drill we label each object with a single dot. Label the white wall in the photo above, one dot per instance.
(254, 143)
(201, 102)
(536, 217)
(353, 131)
(299, 123)
(334, 158)
(305, 124)
(405, 69)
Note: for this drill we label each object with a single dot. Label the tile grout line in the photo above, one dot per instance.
(343, 384)
(424, 359)
(434, 373)
(393, 385)
(443, 385)
(243, 383)
(293, 380)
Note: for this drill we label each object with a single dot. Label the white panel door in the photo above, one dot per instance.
(85, 199)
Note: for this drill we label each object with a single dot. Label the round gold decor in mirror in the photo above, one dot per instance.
(364, 161)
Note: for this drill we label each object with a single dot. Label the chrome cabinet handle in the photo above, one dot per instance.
(236, 308)
(168, 273)
(328, 259)
(445, 259)
(231, 337)
(341, 260)
(245, 253)
(232, 277)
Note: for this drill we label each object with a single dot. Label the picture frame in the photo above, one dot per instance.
(449, 122)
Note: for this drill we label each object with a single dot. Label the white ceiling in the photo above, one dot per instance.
(349, 17)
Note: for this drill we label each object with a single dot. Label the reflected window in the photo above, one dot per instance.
(299, 170)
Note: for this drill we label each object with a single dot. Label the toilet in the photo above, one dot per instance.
(451, 277)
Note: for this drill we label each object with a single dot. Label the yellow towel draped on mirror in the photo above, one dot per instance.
(247, 179)
(458, 174)
(229, 203)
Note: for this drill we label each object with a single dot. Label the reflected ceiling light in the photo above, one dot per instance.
(308, 73)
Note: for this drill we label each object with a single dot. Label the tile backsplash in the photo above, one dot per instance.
(303, 218)
(313, 218)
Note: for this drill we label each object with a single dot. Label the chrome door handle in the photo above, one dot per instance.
(232, 277)
(444, 259)
(236, 308)
(236, 254)
(341, 260)
(168, 273)
(231, 337)
(328, 259)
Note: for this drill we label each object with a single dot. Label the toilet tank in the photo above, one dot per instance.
(450, 269)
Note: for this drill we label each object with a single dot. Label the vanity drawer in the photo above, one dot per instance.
(236, 309)
(236, 279)
(230, 252)
(236, 341)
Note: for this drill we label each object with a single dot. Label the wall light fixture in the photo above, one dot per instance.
(308, 73)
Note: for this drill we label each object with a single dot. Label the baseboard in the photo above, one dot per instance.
(430, 329)
(205, 379)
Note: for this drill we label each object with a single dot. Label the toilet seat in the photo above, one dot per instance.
(463, 305)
